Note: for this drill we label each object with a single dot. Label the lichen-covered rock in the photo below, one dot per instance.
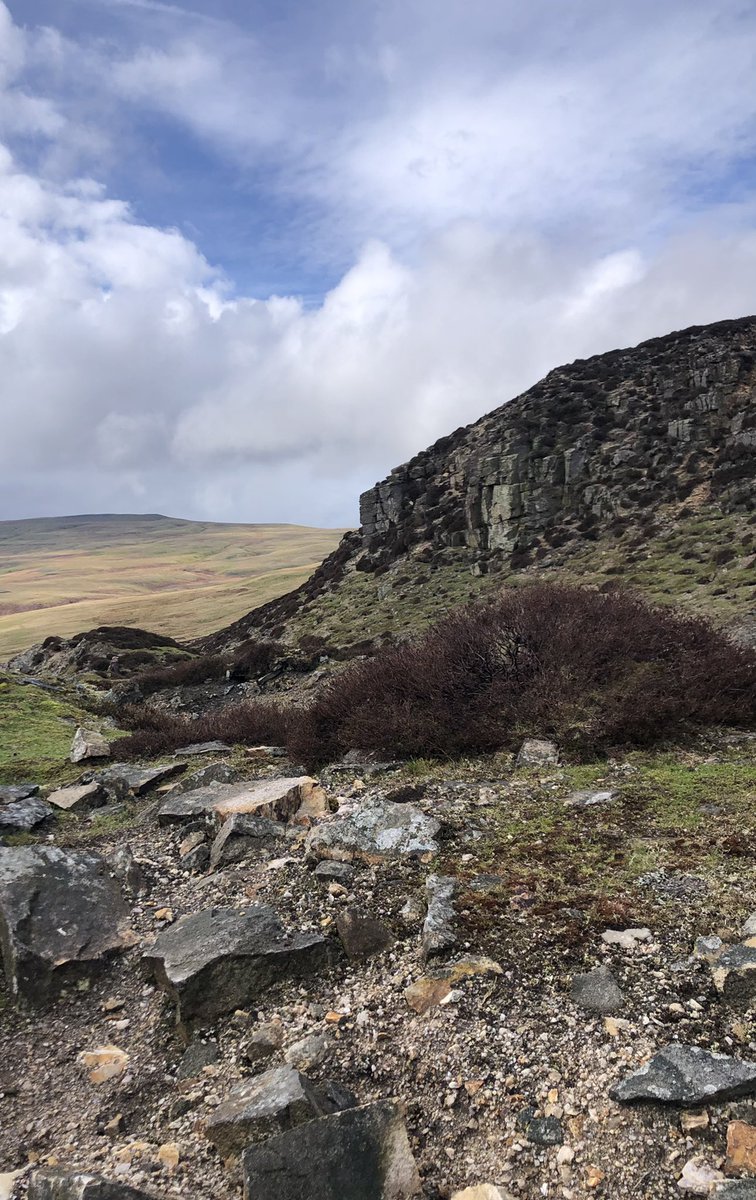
(275, 799)
(17, 791)
(212, 773)
(374, 831)
(122, 780)
(734, 974)
(438, 927)
(537, 752)
(260, 1107)
(688, 1075)
(88, 743)
(61, 912)
(360, 1154)
(21, 816)
(56, 1183)
(241, 835)
(217, 960)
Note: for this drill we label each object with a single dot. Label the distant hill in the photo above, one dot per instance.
(634, 468)
(59, 575)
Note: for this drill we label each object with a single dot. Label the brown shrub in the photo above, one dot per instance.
(155, 732)
(181, 674)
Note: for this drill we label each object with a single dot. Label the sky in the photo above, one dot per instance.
(256, 253)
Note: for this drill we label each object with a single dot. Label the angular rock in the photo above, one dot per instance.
(196, 1057)
(213, 773)
(77, 796)
(183, 810)
(122, 780)
(260, 1107)
(276, 799)
(735, 1189)
(264, 1042)
(88, 743)
(597, 991)
(360, 1154)
(708, 949)
(485, 883)
(199, 748)
(216, 960)
(689, 1076)
(197, 859)
(338, 872)
(537, 752)
(589, 799)
(241, 835)
(698, 1177)
(362, 936)
(55, 1183)
(544, 1131)
(412, 911)
(308, 1052)
(61, 912)
(749, 927)
(626, 939)
(127, 870)
(483, 1191)
(375, 831)
(734, 974)
(17, 791)
(741, 1148)
(432, 989)
(438, 926)
(21, 816)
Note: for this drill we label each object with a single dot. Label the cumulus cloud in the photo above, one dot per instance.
(502, 212)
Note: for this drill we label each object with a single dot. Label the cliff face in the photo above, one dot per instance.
(596, 441)
(608, 449)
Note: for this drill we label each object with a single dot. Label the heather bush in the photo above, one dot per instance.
(156, 732)
(188, 671)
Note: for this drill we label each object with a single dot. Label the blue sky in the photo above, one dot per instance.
(254, 255)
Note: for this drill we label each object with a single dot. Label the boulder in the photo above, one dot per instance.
(122, 780)
(88, 743)
(361, 935)
(360, 1154)
(241, 835)
(61, 912)
(260, 1107)
(213, 773)
(21, 816)
(215, 961)
(734, 974)
(198, 748)
(56, 1183)
(597, 991)
(537, 752)
(276, 799)
(77, 797)
(689, 1076)
(375, 831)
(438, 926)
(17, 791)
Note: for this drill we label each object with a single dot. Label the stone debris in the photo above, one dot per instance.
(748, 929)
(8, 1181)
(213, 773)
(214, 961)
(60, 912)
(21, 816)
(18, 791)
(597, 991)
(361, 1152)
(688, 1075)
(537, 752)
(626, 939)
(741, 1148)
(338, 872)
(698, 1177)
(483, 1191)
(77, 797)
(544, 1131)
(438, 927)
(55, 1183)
(122, 780)
(308, 1053)
(104, 1063)
(88, 743)
(195, 1058)
(264, 1042)
(374, 831)
(241, 835)
(362, 935)
(265, 1105)
(735, 1189)
(432, 989)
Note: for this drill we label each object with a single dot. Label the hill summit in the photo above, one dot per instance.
(635, 465)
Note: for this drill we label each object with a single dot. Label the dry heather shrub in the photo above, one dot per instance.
(156, 732)
(590, 670)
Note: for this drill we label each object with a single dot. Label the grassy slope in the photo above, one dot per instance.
(182, 578)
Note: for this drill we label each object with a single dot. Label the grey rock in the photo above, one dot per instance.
(198, 748)
(243, 834)
(264, 1042)
(127, 870)
(77, 797)
(597, 991)
(749, 927)
(260, 1107)
(196, 1057)
(361, 935)
(485, 883)
(21, 816)
(17, 791)
(88, 743)
(335, 872)
(360, 1154)
(438, 927)
(537, 752)
(708, 949)
(217, 960)
(544, 1131)
(309, 1052)
(276, 799)
(217, 772)
(122, 780)
(735, 1189)
(412, 911)
(56, 1183)
(688, 1075)
(376, 830)
(197, 859)
(186, 809)
(590, 799)
(61, 912)
(734, 974)
(674, 885)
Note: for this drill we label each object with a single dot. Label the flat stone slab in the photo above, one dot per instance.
(55, 1183)
(688, 1075)
(77, 796)
(360, 1154)
(263, 1106)
(220, 959)
(241, 835)
(17, 791)
(199, 748)
(21, 816)
(277, 799)
(88, 743)
(212, 773)
(122, 778)
(60, 913)
(375, 831)
(589, 799)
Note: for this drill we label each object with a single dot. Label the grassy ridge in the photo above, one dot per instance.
(181, 578)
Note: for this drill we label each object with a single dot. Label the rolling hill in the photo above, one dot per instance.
(60, 575)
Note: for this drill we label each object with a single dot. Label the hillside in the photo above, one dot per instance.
(632, 468)
(181, 578)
